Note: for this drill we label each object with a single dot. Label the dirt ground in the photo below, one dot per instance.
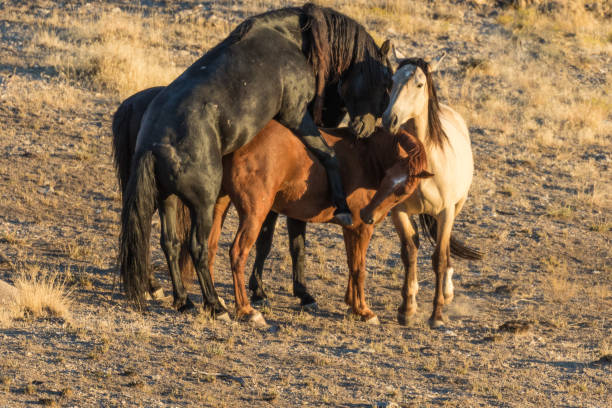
(530, 325)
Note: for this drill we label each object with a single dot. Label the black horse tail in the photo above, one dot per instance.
(457, 248)
(121, 143)
(138, 209)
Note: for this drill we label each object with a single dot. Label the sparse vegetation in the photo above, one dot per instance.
(532, 80)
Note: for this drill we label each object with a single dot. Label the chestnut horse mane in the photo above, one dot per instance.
(381, 151)
(435, 132)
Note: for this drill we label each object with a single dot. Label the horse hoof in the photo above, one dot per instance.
(260, 302)
(311, 307)
(436, 323)
(221, 302)
(373, 321)
(185, 307)
(158, 294)
(224, 317)
(406, 319)
(256, 319)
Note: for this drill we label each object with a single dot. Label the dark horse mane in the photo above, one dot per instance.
(338, 42)
(333, 43)
(435, 132)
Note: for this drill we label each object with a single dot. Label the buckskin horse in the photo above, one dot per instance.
(271, 66)
(414, 106)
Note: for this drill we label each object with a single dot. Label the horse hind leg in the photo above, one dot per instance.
(171, 246)
(200, 194)
(440, 262)
(449, 288)
(407, 231)
(297, 242)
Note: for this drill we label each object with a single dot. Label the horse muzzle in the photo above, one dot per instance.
(390, 122)
(362, 126)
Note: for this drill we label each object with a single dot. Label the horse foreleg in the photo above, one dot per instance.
(262, 250)
(407, 231)
(349, 245)
(359, 240)
(440, 261)
(297, 241)
(171, 245)
(250, 224)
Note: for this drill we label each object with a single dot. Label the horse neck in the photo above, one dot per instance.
(420, 124)
(381, 153)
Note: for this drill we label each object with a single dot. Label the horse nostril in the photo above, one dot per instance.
(394, 121)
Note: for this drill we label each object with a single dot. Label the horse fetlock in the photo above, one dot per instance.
(436, 320)
(183, 304)
(307, 301)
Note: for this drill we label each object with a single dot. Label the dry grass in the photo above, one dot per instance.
(42, 294)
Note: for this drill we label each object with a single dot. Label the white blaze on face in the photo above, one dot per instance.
(399, 81)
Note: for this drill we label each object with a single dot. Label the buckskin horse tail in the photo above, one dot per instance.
(138, 208)
(457, 248)
(121, 143)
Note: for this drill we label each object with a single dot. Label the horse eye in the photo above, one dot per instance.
(420, 85)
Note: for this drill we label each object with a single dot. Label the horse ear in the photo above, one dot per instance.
(424, 174)
(435, 64)
(394, 56)
(385, 48)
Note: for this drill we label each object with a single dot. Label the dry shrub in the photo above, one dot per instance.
(109, 51)
(42, 295)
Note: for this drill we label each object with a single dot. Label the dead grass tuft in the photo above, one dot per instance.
(42, 295)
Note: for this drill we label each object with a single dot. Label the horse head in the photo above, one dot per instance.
(412, 94)
(364, 88)
(400, 179)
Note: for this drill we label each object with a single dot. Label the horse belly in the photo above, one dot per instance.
(304, 194)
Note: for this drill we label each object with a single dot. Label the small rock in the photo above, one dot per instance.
(516, 327)
(507, 290)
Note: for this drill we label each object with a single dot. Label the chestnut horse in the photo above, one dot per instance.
(276, 172)
(414, 106)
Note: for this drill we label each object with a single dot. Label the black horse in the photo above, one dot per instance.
(125, 126)
(270, 67)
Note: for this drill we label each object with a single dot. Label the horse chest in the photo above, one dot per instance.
(425, 200)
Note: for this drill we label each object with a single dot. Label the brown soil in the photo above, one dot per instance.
(539, 207)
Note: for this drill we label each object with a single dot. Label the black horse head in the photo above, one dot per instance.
(342, 52)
